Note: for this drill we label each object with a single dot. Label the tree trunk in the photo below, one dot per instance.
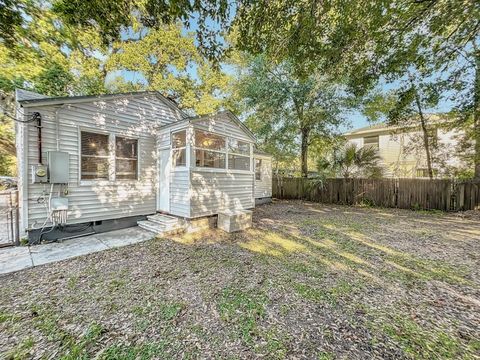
(304, 151)
(476, 114)
(426, 141)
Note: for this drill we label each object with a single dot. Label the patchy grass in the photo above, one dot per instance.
(243, 310)
(307, 281)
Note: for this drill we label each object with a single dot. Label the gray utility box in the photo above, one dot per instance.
(58, 167)
(236, 220)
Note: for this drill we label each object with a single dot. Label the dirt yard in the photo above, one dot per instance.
(308, 281)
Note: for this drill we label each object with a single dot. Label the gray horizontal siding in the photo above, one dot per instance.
(102, 200)
(212, 192)
(179, 193)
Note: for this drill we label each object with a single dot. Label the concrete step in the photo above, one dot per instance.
(161, 229)
(164, 219)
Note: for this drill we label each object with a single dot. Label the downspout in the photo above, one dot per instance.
(38, 117)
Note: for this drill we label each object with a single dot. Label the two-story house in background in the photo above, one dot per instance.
(402, 152)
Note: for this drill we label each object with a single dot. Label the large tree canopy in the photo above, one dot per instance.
(291, 109)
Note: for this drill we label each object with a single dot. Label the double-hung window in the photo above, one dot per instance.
(94, 156)
(371, 141)
(210, 150)
(96, 152)
(126, 158)
(179, 143)
(238, 155)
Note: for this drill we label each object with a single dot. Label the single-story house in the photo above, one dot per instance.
(94, 163)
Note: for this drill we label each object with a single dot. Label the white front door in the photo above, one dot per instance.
(164, 169)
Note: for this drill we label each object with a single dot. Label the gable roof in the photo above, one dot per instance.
(44, 101)
(219, 114)
(23, 95)
(230, 115)
(383, 128)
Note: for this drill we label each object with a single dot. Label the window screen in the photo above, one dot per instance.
(126, 158)
(94, 156)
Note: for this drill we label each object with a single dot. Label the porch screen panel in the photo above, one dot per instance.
(94, 156)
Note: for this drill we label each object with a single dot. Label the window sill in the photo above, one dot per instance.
(228, 171)
(106, 182)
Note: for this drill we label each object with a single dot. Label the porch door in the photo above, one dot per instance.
(164, 169)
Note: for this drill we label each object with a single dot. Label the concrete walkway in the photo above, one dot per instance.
(23, 257)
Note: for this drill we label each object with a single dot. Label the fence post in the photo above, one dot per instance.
(17, 220)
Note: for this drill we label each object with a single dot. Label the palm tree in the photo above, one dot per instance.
(352, 161)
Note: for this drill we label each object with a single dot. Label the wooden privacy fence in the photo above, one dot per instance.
(443, 195)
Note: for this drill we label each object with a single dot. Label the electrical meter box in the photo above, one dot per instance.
(58, 167)
(39, 174)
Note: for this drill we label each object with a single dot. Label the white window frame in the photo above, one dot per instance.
(226, 152)
(248, 155)
(172, 149)
(195, 148)
(111, 157)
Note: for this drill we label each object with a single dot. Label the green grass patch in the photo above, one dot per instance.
(22, 350)
(72, 347)
(243, 309)
(169, 311)
(325, 355)
(6, 317)
(419, 342)
(331, 295)
(154, 350)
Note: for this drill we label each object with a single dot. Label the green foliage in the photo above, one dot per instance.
(163, 60)
(54, 80)
(351, 161)
(288, 113)
(109, 17)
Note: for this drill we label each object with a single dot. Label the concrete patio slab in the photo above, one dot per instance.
(14, 259)
(47, 253)
(119, 238)
(19, 258)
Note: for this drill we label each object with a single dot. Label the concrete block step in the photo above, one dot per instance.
(164, 219)
(160, 229)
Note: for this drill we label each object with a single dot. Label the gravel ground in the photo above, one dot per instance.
(307, 281)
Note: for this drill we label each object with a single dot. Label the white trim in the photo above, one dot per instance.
(220, 170)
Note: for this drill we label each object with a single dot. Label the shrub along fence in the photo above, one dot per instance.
(446, 195)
